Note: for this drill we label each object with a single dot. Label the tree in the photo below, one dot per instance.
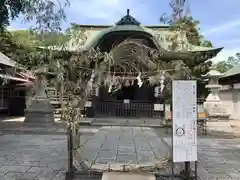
(234, 60)
(21, 45)
(47, 14)
(181, 20)
(29, 38)
(224, 66)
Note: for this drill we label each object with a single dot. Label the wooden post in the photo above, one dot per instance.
(187, 170)
(70, 173)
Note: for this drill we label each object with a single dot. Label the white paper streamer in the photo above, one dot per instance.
(162, 82)
(90, 82)
(140, 83)
(110, 88)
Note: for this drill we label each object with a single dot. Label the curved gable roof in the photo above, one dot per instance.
(6, 61)
(93, 41)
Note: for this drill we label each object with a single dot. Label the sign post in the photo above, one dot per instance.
(184, 128)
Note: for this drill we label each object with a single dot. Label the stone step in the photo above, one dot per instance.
(125, 176)
(87, 176)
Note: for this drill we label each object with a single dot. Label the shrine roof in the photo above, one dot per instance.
(93, 41)
(233, 71)
(160, 35)
(6, 61)
(162, 38)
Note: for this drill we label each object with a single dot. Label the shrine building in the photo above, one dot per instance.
(133, 101)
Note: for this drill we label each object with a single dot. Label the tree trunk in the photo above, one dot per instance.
(61, 98)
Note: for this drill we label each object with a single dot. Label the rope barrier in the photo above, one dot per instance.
(135, 72)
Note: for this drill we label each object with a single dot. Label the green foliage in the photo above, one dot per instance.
(224, 66)
(190, 26)
(47, 14)
(29, 38)
(24, 46)
(25, 38)
(233, 61)
(21, 45)
(9, 10)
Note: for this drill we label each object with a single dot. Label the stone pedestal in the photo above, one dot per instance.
(40, 113)
(216, 110)
(39, 110)
(213, 105)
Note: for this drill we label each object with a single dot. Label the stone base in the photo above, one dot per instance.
(40, 113)
(124, 175)
(215, 118)
(38, 118)
(216, 110)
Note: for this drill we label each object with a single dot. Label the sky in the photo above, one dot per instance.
(219, 19)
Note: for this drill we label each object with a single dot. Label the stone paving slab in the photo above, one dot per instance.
(38, 157)
(218, 158)
(124, 145)
(32, 156)
(136, 122)
(45, 130)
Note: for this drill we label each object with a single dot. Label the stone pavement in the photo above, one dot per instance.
(28, 157)
(35, 157)
(137, 122)
(125, 145)
(219, 159)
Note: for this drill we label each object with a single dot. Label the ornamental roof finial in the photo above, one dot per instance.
(128, 20)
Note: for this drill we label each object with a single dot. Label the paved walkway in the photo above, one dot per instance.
(28, 157)
(35, 157)
(219, 159)
(125, 145)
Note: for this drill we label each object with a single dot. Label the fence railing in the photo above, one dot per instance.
(132, 109)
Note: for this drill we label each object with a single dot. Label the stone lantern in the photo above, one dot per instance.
(40, 111)
(213, 105)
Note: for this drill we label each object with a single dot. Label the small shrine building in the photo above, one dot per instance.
(12, 97)
(230, 91)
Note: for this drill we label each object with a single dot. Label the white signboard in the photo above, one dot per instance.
(158, 107)
(126, 101)
(184, 114)
(88, 104)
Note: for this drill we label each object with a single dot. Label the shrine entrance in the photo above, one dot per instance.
(130, 101)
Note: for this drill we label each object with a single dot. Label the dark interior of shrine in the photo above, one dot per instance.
(127, 92)
(131, 92)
